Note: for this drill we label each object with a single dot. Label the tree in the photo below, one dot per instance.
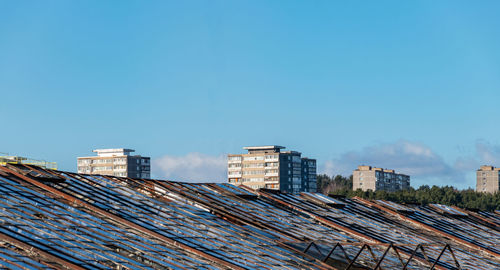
(327, 184)
(447, 195)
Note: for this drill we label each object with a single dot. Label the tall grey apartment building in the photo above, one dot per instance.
(269, 167)
(488, 179)
(116, 162)
(371, 178)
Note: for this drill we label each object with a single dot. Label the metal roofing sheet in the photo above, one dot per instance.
(149, 224)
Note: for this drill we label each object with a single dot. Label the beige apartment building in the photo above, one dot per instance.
(270, 167)
(115, 162)
(372, 178)
(488, 179)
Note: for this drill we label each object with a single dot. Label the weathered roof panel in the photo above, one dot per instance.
(104, 222)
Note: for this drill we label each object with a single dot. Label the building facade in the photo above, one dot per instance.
(488, 179)
(269, 167)
(371, 178)
(116, 162)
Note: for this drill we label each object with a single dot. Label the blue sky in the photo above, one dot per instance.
(407, 85)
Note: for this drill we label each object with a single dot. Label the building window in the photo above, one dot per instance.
(253, 165)
(119, 160)
(252, 172)
(84, 162)
(252, 158)
(271, 164)
(253, 179)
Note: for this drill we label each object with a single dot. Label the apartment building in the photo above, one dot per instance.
(371, 178)
(488, 179)
(270, 167)
(116, 162)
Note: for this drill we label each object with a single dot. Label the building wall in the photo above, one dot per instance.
(488, 179)
(285, 178)
(364, 180)
(138, 167)
(309, 175)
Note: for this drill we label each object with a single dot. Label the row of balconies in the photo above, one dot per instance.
(257, 158)
(240, 174)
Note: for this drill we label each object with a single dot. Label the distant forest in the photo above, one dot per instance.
(469, 199)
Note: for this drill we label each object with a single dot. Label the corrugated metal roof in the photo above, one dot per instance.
(103, 222)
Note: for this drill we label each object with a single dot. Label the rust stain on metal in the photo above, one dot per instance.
(429, 228)
(60, 194)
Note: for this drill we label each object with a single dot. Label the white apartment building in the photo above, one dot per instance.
(115, 162)
(269, 167)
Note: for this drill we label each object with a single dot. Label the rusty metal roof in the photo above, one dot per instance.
(54, 219)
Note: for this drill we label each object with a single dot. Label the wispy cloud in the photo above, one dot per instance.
(193, 167)
(412, 158)
(405, 156)
(488, 153)
(485, 154)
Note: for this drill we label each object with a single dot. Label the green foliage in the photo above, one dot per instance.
(327, 184)
(424, 195)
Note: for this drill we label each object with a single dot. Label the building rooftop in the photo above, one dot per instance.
(488, 168)
(66, 220)
(370, 168)
(266, 147)
(367, 168)
(113, 151)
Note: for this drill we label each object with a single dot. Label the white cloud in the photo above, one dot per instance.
(412, 158)
(193, 167)
(405, 156)
(418, 160)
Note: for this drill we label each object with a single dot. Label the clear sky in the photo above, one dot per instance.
(410, 85)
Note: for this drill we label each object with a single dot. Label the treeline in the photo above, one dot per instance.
(447, 195)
